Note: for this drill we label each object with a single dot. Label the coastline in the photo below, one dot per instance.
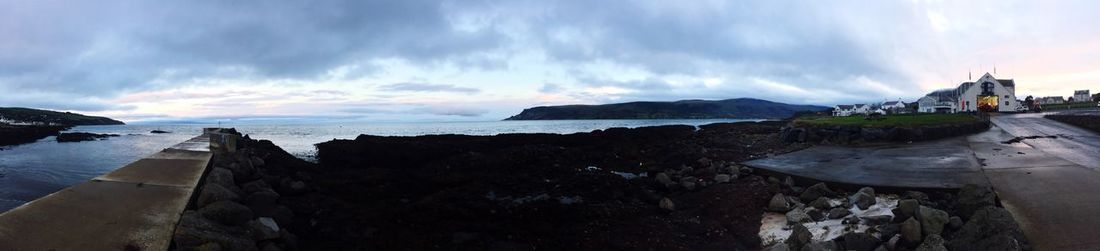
(21, 134)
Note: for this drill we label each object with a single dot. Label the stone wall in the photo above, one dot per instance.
(855, 134)
(1083, 121)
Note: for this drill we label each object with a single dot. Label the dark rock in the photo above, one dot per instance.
(887, 230)
(667, 204)
(213, 193)
(867, 190)
(815, 214)
(82, 136)
(931, 220)
(779, 204)
(221, 176)
(255, 186)
(788, 182)
(257, 161)
(932, 243)
(779, 247)
(972, 197)
(293, 187)
(227, 212)
(821, 203)
(839, 212)
(158, 132)
(194, 231)
(860, 241)
(954, 222)
(850, 220)
(911, 231)
(263, 229)
(797, 216)
(816, 245)
(663, 179)
(800, 236)
(862, 200)
(262, 199)
(271, 246)
(876, 220)
(921, 197)
(464, 237)
(242, 172)
(990, 228)
(722, 178)
(816, 191)
(907, 208)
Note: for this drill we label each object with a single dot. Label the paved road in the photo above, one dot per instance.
(1051, 185)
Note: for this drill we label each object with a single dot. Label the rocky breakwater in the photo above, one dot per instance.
(819, 218)
(653, 188)
(22, 134)
(247, 201)
(856, 134)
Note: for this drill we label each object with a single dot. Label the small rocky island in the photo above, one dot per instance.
(82, 136)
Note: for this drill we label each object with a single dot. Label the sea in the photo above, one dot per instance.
(31, 171)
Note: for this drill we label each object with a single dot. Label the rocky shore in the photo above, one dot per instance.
(22, 134)
(819, 218)
(82, 136)
(652, 188)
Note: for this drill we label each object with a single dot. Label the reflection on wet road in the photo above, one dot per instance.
(1071, 143)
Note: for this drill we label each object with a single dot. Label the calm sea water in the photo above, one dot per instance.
(30, 171)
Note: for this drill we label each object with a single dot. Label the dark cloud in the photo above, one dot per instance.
(427, 87)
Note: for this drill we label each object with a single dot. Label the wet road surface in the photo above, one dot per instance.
(1051, 185)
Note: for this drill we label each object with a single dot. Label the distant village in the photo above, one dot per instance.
(987, 94)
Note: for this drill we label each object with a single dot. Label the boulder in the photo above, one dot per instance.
(850, 220)
(227, 212)
(271, 246)
(263, 229)
(800, 236)
(213, 193)
(931, 220)
(223, 177)
(815, 192)
(876, 220)
(921, 197)
(973, 197)
(779, 204)
(779, 247)
(257, 161)
(867, 190)
(932, 243)
(887, 230)
(821, 203)
(242, 172)
(862, 200)
(194, 231)
(860, 241)
(255, 186)
(689, 185)
(788, 182)
(667, 204)
(797, 216)
(262, 200)
(816, 245)
(911, 231)
(990, 228)
(746, 170)
(907, 208)
(664, 179)
(954, 222)
(815, 214)
(839, 212)
(722, 178)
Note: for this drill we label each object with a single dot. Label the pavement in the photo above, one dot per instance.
(1052, 189)
(940, 164)
(1050, 180)
(135, 207)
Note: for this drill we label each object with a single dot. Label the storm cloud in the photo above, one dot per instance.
(117, 55)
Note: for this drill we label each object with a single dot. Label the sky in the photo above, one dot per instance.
(473, 60)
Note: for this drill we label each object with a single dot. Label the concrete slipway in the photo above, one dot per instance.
(136, 206)
(1051, 184)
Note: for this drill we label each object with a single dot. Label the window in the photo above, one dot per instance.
(1006, 102)
(1006, 96)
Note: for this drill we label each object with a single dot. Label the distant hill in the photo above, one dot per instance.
(27, 115)
(741, 108)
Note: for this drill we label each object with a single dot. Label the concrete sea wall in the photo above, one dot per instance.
(855, 134)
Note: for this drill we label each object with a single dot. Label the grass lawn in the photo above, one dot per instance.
(891, 120)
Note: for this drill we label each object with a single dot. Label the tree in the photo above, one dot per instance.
(1096, 97)
(1029, 102)
(1070, 100)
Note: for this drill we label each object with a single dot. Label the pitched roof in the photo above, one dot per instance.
(1007, 82)
(1081, 92)
(844, 107)
(891, 103)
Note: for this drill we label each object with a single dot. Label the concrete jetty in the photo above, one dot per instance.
(135, 207)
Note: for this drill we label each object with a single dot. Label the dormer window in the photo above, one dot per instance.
(987, 88)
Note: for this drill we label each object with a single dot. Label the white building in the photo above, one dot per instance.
(843, 110)
(1053, 100)
(985, 93)
(1082, 96)
(894, 107)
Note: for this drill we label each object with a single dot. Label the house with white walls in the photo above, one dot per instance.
(987, 94)
(1082, 96)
